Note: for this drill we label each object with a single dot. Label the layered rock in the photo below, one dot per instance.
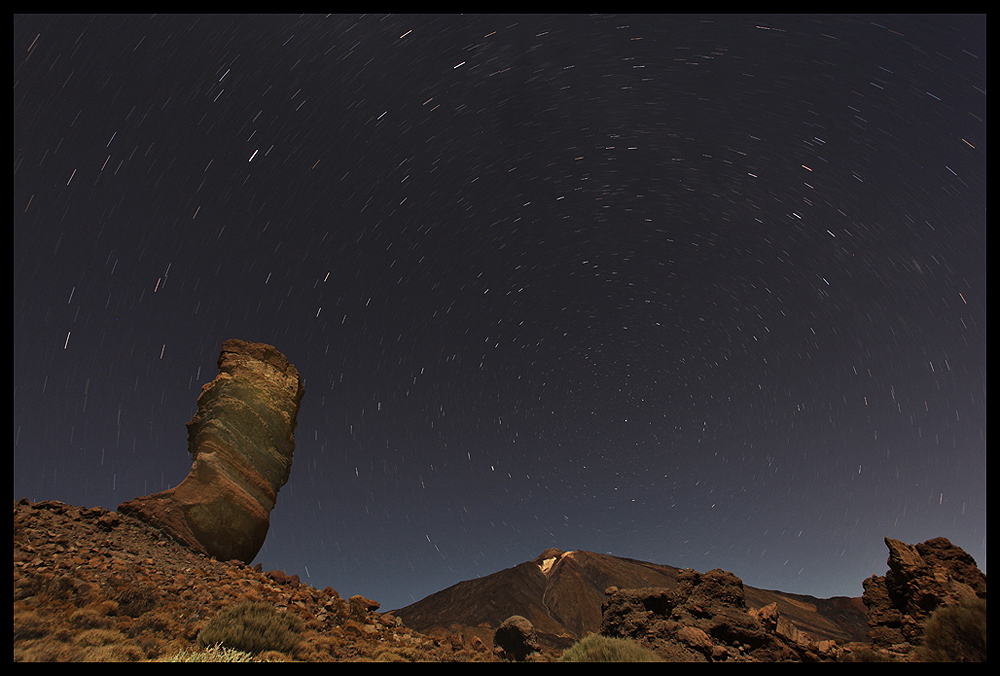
(920, 579)
(241, 440)
(704, 618)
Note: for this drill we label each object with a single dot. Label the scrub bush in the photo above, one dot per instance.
(597, 648)
(955, 633)
(252, 627)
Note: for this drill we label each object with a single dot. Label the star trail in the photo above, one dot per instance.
(702, 291)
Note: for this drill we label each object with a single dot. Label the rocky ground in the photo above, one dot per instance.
(92, 584)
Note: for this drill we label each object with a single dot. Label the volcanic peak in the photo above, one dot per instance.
(548, 558)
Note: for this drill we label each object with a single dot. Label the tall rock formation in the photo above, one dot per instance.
(241, 440)
(920, 579)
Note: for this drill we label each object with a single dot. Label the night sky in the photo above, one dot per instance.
(706, 292)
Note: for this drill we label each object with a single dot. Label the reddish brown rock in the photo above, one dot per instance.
(920, 579)
(768, 616)
(281, 577)
(241, 440)
(705, 618)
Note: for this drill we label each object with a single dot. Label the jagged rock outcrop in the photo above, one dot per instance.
(241, 440)
(704, 618)
(920, 579)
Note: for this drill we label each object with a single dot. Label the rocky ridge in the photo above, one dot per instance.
(92, 584)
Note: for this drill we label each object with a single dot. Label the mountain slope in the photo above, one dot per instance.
(561, 594)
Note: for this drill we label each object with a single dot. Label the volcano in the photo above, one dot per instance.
(561, 593)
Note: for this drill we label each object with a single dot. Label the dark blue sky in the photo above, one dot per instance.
(707, 292)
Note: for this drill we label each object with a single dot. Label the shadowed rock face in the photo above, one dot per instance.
(242, 440)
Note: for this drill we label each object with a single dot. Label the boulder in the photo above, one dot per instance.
(515, 638)
(241, 440)
(767, 616)
(920, 579)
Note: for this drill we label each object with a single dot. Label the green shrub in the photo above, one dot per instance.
(252, 627)
(955, 633)
(597, 648)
